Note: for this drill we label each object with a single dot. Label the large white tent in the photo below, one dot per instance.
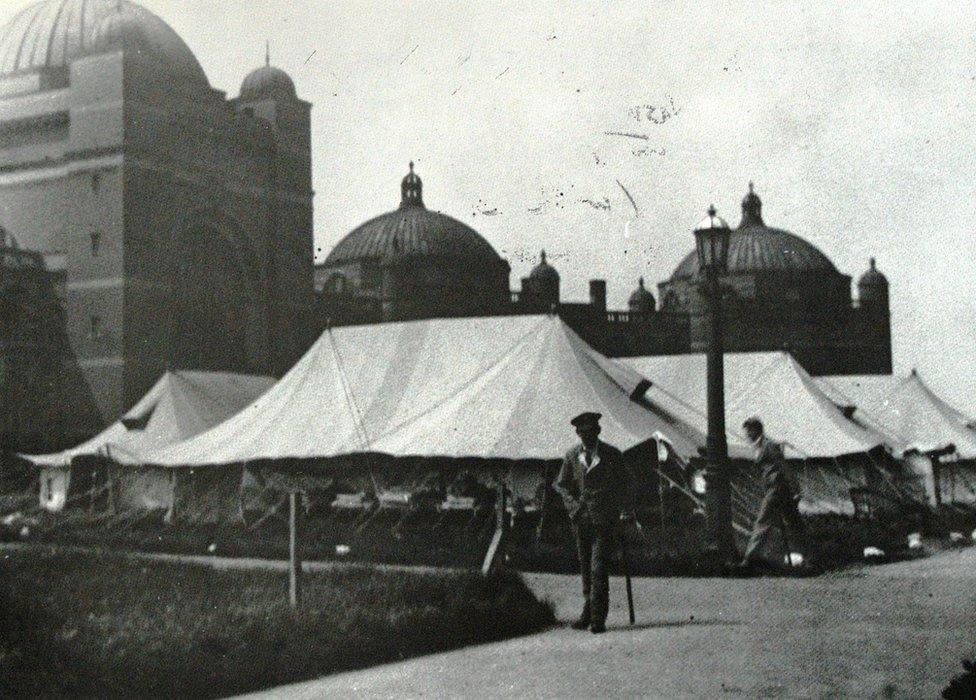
(178, 406)
(498, 387)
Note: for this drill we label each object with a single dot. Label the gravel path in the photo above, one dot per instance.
(892, 631)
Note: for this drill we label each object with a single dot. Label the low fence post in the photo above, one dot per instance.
(294, 540)
(497, 545)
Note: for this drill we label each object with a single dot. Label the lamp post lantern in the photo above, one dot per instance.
(712, 245)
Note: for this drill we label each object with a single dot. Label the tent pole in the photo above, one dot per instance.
(295, 563)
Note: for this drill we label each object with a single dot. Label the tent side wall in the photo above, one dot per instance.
(142, 489)
(207, 495)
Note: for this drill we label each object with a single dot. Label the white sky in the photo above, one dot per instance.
(854, 120)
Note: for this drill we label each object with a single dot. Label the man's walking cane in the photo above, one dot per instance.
(625, 563)
(786, 541)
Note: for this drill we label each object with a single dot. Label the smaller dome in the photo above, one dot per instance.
(641, 301)
(544, 272)
(711, 221)
(873, 278)
(268, 81)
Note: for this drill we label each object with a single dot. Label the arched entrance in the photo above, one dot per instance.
(214, 299)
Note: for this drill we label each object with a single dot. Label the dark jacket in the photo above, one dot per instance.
(600, 493)
(776, 473)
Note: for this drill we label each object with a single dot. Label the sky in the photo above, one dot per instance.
(531, 121)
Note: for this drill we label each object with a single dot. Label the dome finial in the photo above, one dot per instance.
(751, 208)
(640, 281)
(411, 190)
(542, 256)
(267, 52)
(874, 264)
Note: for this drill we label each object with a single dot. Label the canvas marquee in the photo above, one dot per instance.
(794, 411)
(770, 385)
(923, 422)
(499, 387)
(906, 407)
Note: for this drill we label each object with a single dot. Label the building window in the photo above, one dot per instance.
(96, 181)
(96, 327)
(96, 243)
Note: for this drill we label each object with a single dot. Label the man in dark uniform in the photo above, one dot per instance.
(780, 504)
(595, 486)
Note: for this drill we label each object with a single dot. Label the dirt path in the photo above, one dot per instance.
(895, 631)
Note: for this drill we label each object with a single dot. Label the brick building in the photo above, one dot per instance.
(184, 217)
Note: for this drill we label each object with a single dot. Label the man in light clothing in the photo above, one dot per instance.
(595, 487)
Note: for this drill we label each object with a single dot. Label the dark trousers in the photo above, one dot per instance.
(779, 508)
(595, 546)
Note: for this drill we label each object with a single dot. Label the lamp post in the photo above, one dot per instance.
(712, 245)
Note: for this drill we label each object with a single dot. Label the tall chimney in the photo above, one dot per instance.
(598, 295)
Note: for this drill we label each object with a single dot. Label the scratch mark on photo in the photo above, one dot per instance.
(604, 205)
(643, 137)
(502, 73)
(632, 202)
(410, 54)
(309, 57)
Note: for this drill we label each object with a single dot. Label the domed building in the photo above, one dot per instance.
(412, 263)
(184, 217)
(783, 293)
(872, 288)
(540, 290)
(641, 301)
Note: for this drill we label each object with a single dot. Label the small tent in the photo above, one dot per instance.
(795, 412)
(907, 408)
(180, 405)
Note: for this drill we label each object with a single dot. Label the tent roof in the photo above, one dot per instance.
(770, 385)
(501, 387)
(178, 406)
(907, 408)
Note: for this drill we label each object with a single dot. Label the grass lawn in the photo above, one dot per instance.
(840, 542)
(110, 626)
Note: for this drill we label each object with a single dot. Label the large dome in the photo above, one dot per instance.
(755, 247)
(413, 231)
(52, 33)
